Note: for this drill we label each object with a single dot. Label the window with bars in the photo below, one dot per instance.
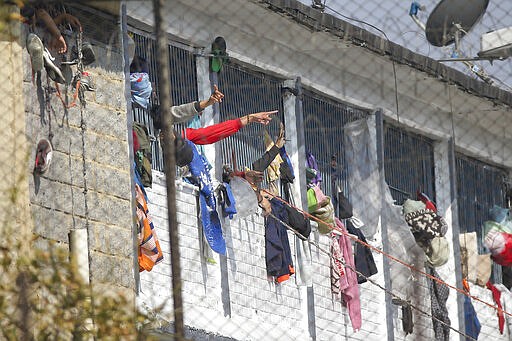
(183, 77)
(480, 186)
(408, 164)
(247, 91)
(324, 119)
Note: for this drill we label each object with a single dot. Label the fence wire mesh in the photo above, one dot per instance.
(380, 128)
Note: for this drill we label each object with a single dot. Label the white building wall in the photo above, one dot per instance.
(233, 297)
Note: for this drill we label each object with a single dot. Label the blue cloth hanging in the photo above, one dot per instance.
(211, 223)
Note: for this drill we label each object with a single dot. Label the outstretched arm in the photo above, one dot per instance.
(219, 131)
(58, 41)
(66, 17)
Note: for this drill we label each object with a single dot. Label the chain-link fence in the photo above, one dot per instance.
(342, 172)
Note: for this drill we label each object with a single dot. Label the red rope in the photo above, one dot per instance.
(354, 238)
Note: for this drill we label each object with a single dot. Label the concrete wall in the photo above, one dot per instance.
(88, 184)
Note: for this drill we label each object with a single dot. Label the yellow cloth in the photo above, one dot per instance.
(273, 171)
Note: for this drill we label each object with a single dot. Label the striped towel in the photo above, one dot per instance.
(149, 248)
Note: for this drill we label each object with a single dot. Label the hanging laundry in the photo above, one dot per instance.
(496, 295)
(407, 318)
(506, 302)
(483, 269)
(344, 278)
(469, 255)
(429, 204)
(149, 252)
(277, 247)
(211, 223)
(142, 153)
(472, 323)
(312, 164)
(498, 237)
(227, 200)
(365, 264)
(323, 210)
(425, 224)
(438, 296)
(141, 88)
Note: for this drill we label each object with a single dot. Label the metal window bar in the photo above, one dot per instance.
(480, 186)
(408, 164)
(183, 86)
(247, 91)
(324, 119)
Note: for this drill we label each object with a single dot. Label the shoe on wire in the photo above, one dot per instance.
(86, 82)
(88, 55)
(35, 49)
(44, 152)
(53, 71)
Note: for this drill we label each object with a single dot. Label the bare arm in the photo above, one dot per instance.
(58, 41)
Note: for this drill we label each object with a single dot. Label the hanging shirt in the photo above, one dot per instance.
(211, 223)
(365, 264)
(471, 320)
(438, 297)
(496, 295)
(506, 301)
(149, 252)
(277, 247)
(348, 287)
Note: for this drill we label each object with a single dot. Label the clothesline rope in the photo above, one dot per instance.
(411, 267)
(389, 292)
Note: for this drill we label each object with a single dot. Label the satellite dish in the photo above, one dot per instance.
(451, 19)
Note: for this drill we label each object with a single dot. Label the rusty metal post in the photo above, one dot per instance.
(169, 165)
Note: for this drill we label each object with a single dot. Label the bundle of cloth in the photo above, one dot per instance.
(498, 235)
(428, 228)
(320, 206)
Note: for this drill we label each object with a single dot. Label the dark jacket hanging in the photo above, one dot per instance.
(365, 264)
(277, 247)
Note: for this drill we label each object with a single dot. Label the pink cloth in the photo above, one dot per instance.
(348, 287)
(320, 196)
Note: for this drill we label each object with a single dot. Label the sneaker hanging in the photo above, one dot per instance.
(35, 49)
(53, 71)
(44, 153)
(86, 81)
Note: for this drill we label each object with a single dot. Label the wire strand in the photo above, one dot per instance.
(389, 292)
(438, 280)
(387, 39)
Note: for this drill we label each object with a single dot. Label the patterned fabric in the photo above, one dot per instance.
(337, 265)
(426, 224)
(149, 252)
(347, 282)
(438, 297)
